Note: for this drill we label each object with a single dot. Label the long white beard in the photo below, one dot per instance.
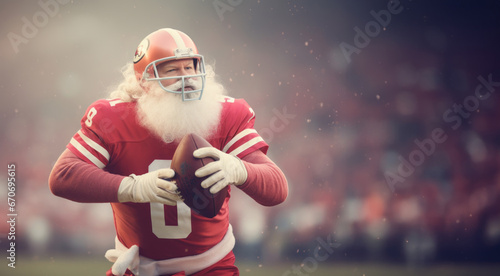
(166, 115)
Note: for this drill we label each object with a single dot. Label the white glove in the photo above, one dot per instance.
(124, 259)
(149, 187)
(227, 169)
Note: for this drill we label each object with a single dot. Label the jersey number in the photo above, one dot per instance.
(90, 116)
(162, 231)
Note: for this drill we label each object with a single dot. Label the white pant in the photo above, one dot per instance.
(124, 258)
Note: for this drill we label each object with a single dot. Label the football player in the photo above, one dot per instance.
(122, 155)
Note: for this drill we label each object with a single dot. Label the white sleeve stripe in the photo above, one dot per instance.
(238, 137)
(94, 145)
(177, 38)
(246, 146)
(87, 153)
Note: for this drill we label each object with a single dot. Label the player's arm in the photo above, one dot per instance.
(265, 183)
(255, 174)
(74, 179)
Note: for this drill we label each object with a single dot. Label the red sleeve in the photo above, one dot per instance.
(74, 179)
(240, 136)
(266, 183)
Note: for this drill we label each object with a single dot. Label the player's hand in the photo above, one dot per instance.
(150, 187)
(225, 170)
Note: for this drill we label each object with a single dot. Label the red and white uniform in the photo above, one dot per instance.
(112, 139)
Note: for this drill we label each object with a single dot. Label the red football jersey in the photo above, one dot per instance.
(112, 139)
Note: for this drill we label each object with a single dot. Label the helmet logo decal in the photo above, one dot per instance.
(141, 50)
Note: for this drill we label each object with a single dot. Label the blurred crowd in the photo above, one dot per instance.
(394, 155)
(361, 174)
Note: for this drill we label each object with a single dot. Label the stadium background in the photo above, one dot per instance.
(339, 125)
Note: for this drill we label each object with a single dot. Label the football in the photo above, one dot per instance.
(184, 164)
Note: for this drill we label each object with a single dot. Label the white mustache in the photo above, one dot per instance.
(195, 84)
